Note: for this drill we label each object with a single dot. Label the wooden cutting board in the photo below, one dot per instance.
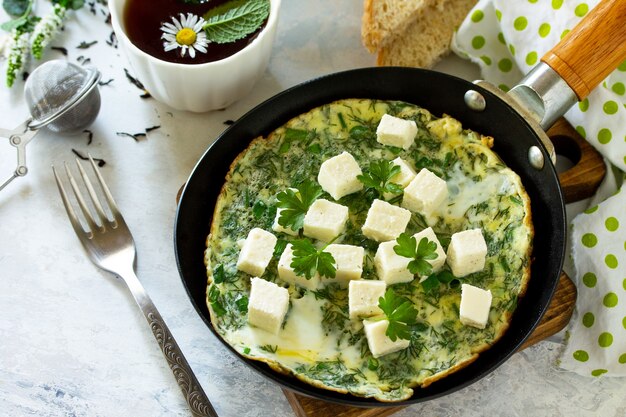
(577, 183)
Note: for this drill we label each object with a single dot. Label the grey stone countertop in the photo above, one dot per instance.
(73, 342)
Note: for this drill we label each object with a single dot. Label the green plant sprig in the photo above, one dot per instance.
(400, 313)
(419, 254)
(307, 260)
(295, 204)
(378, 177)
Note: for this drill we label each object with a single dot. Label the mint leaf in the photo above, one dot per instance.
(307, 260)
(23, 24)
(400, 313)
(294, 205)
(235, 20)
(17, 8)
(420, 253)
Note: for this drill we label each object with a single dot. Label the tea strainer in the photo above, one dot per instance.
(61, 97)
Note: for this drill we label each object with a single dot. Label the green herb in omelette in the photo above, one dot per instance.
(378, 177)
(441, 277)
(294, 205)
(400, 313)
(419, 253)
(235, 20)
(307, 260)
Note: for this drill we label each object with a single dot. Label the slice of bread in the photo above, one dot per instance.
(425, 39)
(384, 19)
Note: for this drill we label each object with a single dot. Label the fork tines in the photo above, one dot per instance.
(93, 224)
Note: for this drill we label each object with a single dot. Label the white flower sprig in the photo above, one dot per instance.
(30, 34)
(46, 28)
(16, 53)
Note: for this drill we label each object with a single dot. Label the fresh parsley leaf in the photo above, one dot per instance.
(294, 205)
(419, 253)
(307, 260)
(235, 20)
(400, 313)
(378, 177)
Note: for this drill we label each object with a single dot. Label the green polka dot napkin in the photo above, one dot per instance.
(506, 39)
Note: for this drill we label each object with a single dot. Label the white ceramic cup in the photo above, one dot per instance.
(198, 87)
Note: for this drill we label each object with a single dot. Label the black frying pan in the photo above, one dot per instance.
(439, 93)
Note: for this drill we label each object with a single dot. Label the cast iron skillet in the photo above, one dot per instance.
(439, 93)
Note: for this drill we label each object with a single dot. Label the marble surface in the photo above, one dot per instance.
(73, 343)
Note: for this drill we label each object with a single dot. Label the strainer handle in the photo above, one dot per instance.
(19, 138)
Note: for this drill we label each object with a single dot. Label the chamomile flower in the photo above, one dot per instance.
(186, 33)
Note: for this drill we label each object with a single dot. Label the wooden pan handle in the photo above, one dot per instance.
(594, 48)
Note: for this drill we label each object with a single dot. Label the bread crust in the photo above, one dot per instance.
(426, 39)
(383, 20)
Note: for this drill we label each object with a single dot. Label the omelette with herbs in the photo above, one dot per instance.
(368, 247)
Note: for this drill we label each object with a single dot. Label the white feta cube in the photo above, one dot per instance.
(406, 174)
(394, 131)
(391, 267)
(325, 220)
(379, 343)
(403, 178)
(385, 221)
(475, 305)
(338, 175)
(363, 297)
(348, 261)
(467, 252)
(287, 274)
(428, 233)
(267, 305)
(425, 193)
(256, 252)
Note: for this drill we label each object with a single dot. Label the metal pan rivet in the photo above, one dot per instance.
(474, 100)
(535, 157)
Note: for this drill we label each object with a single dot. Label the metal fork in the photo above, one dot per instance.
(110, 246)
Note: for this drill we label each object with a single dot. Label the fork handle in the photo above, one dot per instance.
(195, 397)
